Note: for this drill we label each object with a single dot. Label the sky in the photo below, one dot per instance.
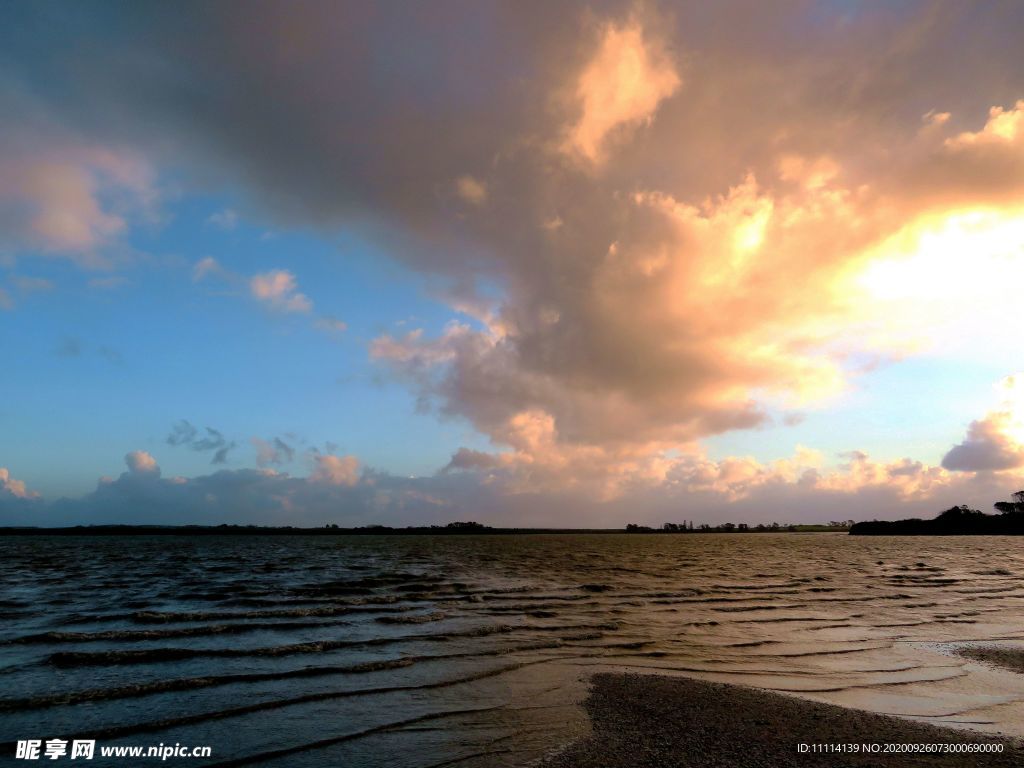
(580, 264)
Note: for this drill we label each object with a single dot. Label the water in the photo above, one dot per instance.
(475, 650)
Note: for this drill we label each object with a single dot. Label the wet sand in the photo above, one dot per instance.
(1007, 658)
(664, 722)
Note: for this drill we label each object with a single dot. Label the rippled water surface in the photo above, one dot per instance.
(475, 650)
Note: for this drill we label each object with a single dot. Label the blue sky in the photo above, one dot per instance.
(108, 366)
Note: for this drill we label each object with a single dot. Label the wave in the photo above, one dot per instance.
(152, 655)
(210, 681)
(116, 732)
(133, 635)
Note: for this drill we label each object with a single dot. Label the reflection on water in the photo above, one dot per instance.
(427, 651)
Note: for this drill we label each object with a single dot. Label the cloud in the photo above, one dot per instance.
(996, 441)
(18, 504)
(63, 197)
(539, 463)
(6, 302)
(184, 433)
(621, 87)
(667, 336)
(695, 313)
(248, 496)
(503, 492)
(109, 354)
(330, 325)
(414, 351)
(108, 283)
(273, 451)
(336, 492)
(336, 470)
(16, 488)
(279, 290)
(276, 289)
(141, 463)
(1004, 127)
(69, 347)
(987, 447)
(205, 267)
(472, 190)
(226, 219)
(27, 285)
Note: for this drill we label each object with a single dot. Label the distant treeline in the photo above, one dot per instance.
(687, 526)
(451, 529)
(955, 521)
(331, 529)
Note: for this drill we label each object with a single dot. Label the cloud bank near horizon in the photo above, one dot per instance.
(517, 490)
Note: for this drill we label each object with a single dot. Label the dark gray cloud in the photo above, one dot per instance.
(185, 434)
(143, 495)
(987, 447)
(468, 459)
(109, 354)
(72, 346)
(68, 347)
(272, 452)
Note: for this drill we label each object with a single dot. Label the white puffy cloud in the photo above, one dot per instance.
(277, 289)
(69, 199)
(141, 463)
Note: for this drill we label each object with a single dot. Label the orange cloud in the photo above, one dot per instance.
(1003, 127)
(471, 190)
(646, 320)
(539, 463)
(621, 87)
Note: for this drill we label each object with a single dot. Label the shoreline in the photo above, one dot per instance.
(676, 722)
(262, 530)
(995, 655)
